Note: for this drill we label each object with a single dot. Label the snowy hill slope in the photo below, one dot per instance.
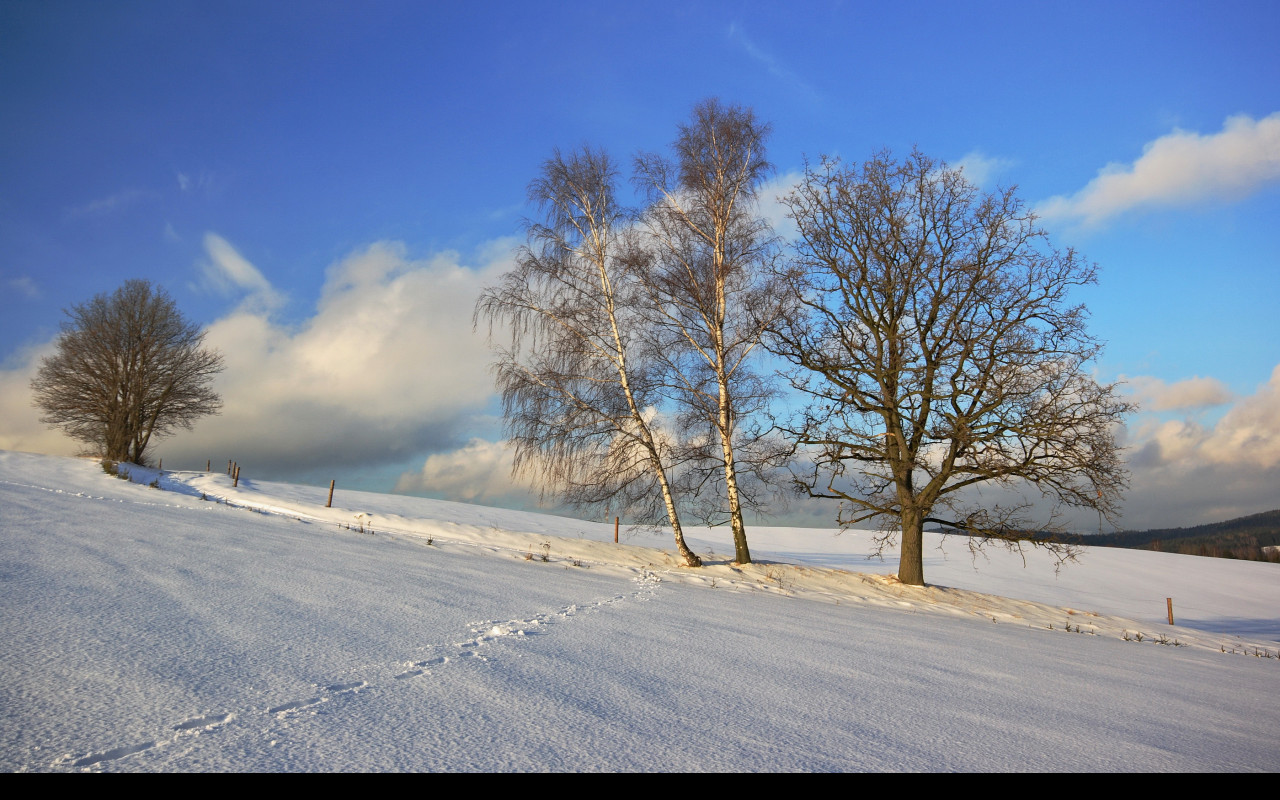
(151, 630)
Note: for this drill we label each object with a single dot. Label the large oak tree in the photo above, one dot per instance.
(937, 340)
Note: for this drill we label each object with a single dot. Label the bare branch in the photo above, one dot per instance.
(933, 332)
(578, 391)
(128, 368)
(708, 299)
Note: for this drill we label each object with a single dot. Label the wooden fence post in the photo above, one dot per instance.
(1169, 601)
(208, 465)
(235, 480)
(615, 529)
(330, 503)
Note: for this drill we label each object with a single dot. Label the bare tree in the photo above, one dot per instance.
(709, 299)
(937, 342)
(578, 393)
(128, 367)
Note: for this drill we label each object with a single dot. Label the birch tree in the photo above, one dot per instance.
(936, 338)
(709, 300)
(579, 392)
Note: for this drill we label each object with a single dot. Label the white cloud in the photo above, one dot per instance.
(1187, 472)
(187, 183)
(387, 367)
(110, 204)
(24, 286)
(478, 472)
(1250, 431)
(980, 169)
(1181, 168)
(771, 206)
(231, 273)
(20, 425)
(1247, 436)
(771, 63)
(1156, 395)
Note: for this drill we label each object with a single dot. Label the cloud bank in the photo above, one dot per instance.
(1248, 435)
(1181, 168)
(20, 426)
(1187, 473)
(479, 472)
(386, 368)
(1193, 393)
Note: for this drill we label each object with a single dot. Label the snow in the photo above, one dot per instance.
(153, 630)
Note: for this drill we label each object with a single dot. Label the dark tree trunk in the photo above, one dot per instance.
(911, 561)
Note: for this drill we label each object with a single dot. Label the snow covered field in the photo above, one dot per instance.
(153, 630)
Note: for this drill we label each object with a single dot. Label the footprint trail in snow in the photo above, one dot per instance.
(483, 636)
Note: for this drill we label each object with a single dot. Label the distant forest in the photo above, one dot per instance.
(1242, 538)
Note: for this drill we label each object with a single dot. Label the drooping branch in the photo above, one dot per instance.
(577, 391)
(708, 299)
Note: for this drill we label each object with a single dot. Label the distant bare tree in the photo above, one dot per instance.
(935, 337)
(578, 391)
(710, 298)
(128, 368)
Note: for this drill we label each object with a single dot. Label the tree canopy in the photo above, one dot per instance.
(629, 380)
(709, 296)
(577, 382)
(128, 368)
(936, 340)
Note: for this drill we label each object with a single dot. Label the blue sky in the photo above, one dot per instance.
(327, 185)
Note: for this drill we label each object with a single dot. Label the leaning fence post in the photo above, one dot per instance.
(330, 503)
(235, 481)
(1169, 601)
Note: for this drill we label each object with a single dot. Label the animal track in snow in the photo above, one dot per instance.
(484, 635)
(295, 705)
(207, 722)
(105, 755)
